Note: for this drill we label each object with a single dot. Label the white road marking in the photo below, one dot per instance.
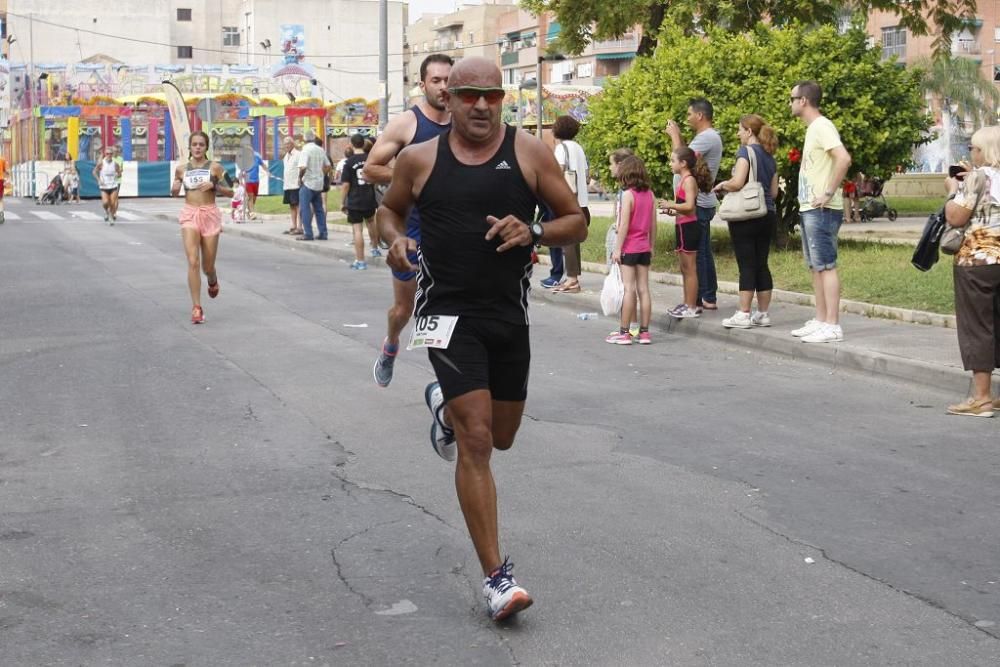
(47, 215)
(87, 215)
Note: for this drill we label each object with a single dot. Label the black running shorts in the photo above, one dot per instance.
(484, 354)
(637, 258)
(688, 236)
(356, 216)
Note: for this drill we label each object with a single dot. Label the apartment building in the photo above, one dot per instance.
(469, 31)
(979, 40)
(600, 61)
(524, 37)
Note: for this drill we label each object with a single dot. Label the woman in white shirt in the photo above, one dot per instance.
(573, 161)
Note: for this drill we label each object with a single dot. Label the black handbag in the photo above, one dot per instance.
(928, 248)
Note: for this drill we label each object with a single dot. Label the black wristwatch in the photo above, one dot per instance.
(536, 232)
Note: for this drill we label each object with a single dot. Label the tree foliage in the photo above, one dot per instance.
(960, 81)
(586, 20)
(877, 106)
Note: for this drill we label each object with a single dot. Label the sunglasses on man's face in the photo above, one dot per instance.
(471, 94)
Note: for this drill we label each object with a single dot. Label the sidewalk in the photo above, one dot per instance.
(903, 350)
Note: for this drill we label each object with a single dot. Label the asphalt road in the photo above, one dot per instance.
(240, 493)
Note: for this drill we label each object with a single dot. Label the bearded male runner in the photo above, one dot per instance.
(421, 123)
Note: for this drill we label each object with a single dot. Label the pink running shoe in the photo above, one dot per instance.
(619, 339)
(644, 338)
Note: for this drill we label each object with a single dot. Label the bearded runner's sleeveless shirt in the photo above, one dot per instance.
(426, 130)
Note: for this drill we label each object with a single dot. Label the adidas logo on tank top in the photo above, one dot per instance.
(503, 165)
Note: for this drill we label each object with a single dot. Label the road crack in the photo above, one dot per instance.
(826, 556)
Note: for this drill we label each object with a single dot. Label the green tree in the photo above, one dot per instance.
(584, 20)
(877, 106)
(961, 82)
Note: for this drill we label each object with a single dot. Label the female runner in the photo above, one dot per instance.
(201, 219)
(108, 172)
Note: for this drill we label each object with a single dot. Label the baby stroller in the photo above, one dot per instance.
(873, 204)
(54, 194)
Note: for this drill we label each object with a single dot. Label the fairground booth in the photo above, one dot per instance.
(73, 112)
(62, 114)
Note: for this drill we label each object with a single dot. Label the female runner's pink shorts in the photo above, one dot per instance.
(206, 220)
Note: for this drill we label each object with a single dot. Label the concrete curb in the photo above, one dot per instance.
(839, 356)
(836, 357)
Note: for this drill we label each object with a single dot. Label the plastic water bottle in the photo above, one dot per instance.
(586, 316)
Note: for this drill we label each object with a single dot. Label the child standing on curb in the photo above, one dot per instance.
(634, 249)
(615, 159)
(695, 176)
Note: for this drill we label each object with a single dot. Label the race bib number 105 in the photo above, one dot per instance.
(432, 331)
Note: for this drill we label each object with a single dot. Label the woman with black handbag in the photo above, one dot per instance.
(752, 238)
(973, 216)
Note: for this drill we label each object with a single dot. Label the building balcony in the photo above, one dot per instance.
(509, 59)
(962, 47)
(627, 43)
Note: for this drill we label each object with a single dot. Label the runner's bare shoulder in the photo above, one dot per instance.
(396, 136)
(418, 156)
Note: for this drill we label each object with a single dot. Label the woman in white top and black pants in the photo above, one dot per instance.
(572, 159)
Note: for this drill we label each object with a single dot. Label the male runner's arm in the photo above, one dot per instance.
(545, 177)
(397, 134)
(396, 205)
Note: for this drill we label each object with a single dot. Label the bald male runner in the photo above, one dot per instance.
(476, 187)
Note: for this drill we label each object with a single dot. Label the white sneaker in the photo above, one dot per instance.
(812, 326)
(828, 333)
(759, 319)
(740, 320)
(503, 596)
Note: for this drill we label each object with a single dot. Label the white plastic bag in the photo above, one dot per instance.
(613, 292)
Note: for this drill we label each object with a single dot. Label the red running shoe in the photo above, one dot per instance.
(213, 289)
(197, 315)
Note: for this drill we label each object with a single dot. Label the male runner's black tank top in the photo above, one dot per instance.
(461, 273)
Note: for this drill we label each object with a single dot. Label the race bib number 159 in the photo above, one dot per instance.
(432, 331)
